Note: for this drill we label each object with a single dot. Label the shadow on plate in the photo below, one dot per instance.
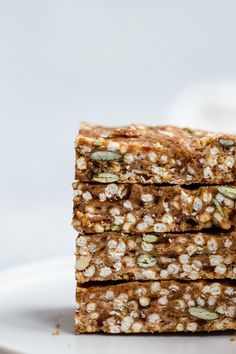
(61, 321)
(55, 321)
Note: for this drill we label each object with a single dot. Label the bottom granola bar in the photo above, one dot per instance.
(165, 306)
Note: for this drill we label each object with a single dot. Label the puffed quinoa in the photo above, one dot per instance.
(147, 198)
(91, 307)
(105, 271)
(220, 269)
(87, 196)
(192, 326)
(153, 318)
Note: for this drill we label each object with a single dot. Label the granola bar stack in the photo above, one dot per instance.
(155, 211)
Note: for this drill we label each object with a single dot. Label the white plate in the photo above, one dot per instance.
(34, 299)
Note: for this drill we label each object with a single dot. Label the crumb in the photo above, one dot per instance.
(56, 332)
(232, 339)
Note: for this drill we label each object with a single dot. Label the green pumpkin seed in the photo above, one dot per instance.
(203, 314)
(150, 238)
(146, 260)
(218, 207)
(105, 156)
(106, 178)
(226, 142)
(229, 192)
(114, 227)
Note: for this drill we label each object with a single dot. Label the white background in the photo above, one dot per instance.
(107, 61)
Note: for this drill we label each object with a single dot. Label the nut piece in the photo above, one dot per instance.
(144, 301)
(83, 262)
(150, 238)
(97, 142)
(229, 192)
(218, 207)
(105, 156)
(146, 261)
(203, 314)
(106, 178)
(226, 142)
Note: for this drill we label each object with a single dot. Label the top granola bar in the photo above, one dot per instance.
(158, 154)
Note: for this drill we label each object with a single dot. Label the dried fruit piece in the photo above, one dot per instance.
(226, 142)
(144, 301)
(146, 261)
(203, 314)
(229, 192)
(218, 207)
(150, 238)
(82, 262)
(105, 177)
(105, 156)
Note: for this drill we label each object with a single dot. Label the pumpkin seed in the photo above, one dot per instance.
(226, 142)
(150, 238)
(146, 260)
(105, 156)
(229, 192)
(203, 314)
(106, 178)
(114, 227)
(218, 207)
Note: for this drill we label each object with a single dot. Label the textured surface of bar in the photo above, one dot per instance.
(167, 306)
(134, 208)
(141, 154)
(117, 256)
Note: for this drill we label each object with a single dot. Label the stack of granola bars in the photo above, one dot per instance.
(155, 212)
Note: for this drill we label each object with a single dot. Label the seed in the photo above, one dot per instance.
(97, 142)
(146, 260)
(105, 156)
(82, 262)
(106, 178)
(202, 313)
(226, 142)
(229, 192)
(150, 238)
(218, 207)
(144, 301)
(114, 227)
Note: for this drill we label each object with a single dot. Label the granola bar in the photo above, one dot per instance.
(190, 256)
(166, 306)
(135, 208)
(160, 154)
